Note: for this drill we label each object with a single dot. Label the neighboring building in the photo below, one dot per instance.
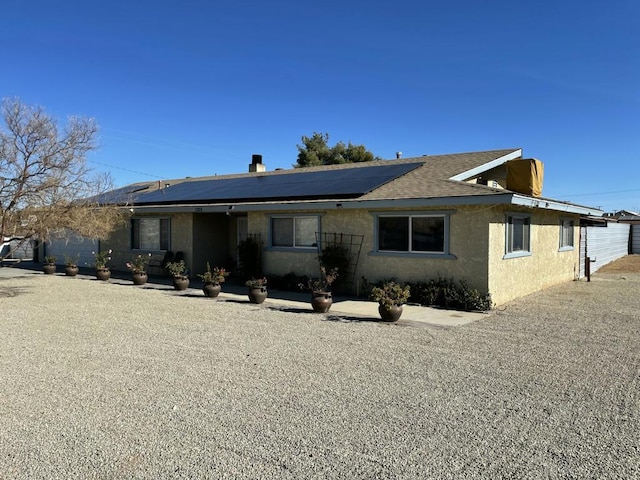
(474, 216)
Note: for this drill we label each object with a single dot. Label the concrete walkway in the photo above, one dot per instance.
(347, 307)
(357, 309)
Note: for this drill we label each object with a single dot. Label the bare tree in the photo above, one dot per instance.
(45, 183)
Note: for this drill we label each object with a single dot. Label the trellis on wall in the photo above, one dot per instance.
(352, 245)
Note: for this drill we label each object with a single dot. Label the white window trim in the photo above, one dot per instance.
(567, 248)
(445, 214)
(519, 253)
(293, 248)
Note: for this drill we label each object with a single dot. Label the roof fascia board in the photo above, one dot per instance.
(487, 166)
(549, 204)
(494, 199)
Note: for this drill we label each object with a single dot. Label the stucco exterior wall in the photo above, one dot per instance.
(510, 278)
(469, 239)
(120, 242)
(181, 240)
(275, 262)
(182, 237)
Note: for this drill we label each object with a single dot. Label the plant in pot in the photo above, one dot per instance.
(179, 274)
(320, 288)
(391, 296)
(71, 265)
(49, 265)
(257, 289)
(101, 264)
(212, 279)
(138, 267)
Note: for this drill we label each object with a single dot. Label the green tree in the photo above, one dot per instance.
(315, 151)
(45, 183)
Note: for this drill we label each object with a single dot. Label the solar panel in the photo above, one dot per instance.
(339, 183)
(123, 195)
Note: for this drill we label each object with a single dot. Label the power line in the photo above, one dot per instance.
(125, 169)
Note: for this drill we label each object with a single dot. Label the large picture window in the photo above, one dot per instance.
(566, 234)
(150, 234)
(412, 233)
(518, 238)
(294, 232)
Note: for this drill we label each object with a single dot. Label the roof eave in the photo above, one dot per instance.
(490, 199)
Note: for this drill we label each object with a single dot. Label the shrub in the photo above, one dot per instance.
(441, 292)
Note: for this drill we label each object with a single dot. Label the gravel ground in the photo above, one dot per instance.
(100, 380)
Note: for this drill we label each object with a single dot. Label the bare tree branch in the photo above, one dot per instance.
(45, 182)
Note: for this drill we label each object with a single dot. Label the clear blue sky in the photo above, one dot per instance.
(191, 88)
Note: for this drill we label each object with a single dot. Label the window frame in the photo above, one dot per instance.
(508, 240)
(162, 242)
(562, 247)
(444, 214)
(294, 247)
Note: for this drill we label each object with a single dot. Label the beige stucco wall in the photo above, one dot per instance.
(468, 243)
(181, 240)
(119, 241)
(511, 278)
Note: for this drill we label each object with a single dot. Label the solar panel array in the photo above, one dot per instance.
(338, 183)
(123, 195)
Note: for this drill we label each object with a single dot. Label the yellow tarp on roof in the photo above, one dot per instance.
(525, 176)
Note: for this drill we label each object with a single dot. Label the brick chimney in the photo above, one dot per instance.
(256, 164)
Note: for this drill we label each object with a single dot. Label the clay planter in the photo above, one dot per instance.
(103, 274)
(180, 282)
(257, 294)
(71, 270)
(391, 314)
(49, 268)
(321, 301)
(211, 290)
(139, 278)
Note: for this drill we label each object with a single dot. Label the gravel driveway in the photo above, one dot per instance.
(107, 381)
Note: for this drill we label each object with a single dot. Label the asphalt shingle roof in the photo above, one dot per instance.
(430, 180)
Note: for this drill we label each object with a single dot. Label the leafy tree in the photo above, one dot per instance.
(45, 183)
(315, 151)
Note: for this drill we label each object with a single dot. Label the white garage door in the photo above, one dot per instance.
(72, 245)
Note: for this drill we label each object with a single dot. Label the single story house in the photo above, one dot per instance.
(477, 216)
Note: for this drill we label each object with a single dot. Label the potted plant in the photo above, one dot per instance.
(49, 265)
(212, 279)
(101, 264)
(138, 267)
(71, 265)
(257, 289)
(390, 297)
(320, 288)
(179, 274)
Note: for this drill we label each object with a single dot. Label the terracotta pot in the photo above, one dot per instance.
(180, 282)
(211, 290)
(139, 278)
(49, 268)
(71, 270)
(391, 314)
(103, 273)
(321, 301)
(257, 294)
